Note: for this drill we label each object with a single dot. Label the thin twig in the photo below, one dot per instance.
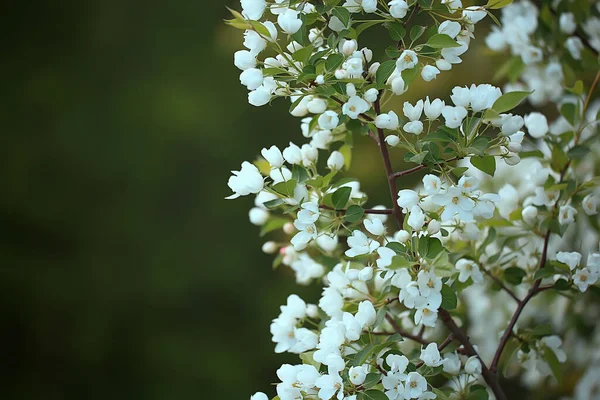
(418, 168)
(386, 211)
(402, 332)
(501, 284)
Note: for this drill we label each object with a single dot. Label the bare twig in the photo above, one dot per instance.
(402, 332)
(500, 283)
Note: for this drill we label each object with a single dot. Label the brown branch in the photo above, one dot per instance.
(386, 211)
(500, 283)
(535, 289)
(402, 332)
(385, 155)
(490, 378)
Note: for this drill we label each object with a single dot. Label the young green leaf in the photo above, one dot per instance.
(384, 72)
(508, 101)
(441, 41)
(354, 213)
(486, 164)
(340, 197)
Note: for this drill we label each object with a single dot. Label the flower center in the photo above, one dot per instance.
(413, 384)
(455, 200)
(407, 58)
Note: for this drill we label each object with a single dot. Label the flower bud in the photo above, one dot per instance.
(529, 214)
(312, 310)
(258, 216)
(434, 226)
(365, 274)
(320, 80)
(269, 247)
(402, 236)
(273, 156)
(429, 72)
(371, 95)
(335, 162)
(347, 47)
(292, 154)
(512, 159)
(392, 140)
(289, 228)
(373, 68)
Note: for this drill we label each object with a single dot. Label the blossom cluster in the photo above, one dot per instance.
(505, 193)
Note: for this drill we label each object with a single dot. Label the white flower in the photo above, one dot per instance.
(414, 386)
(387, 121)
(254, 42)
(307, 232)
(416, 219)
(452, 364)
(590, 204)
(252, 78)
(360, 244)
(316, 105)
(450, 28)
(259, 97)
(328, 120)
(247, 180)
(407, 198)
(392, 140)
(593, 264)
(432, 184)
(309, 154)
(398, 8)
(483, 96)
(407, 60)
(273, 156)
(354, 107)
(292, 154)
(511, 124)
(259, 396)
(414, 127)
(385, 257)
(531, 55)
(428, 283)
(397, 363)
(253, 9)
(454, 116)
(335, 162)
(468, 269)
(348, 47)
(309, 212)
(269, 247)
(354, 67)
(455, 202)
(537, 124)
(358, 374)
(443, 65)
(289, 21)
(474, 14)
(554, 342)
(398, 86)
(575, 46)
(473, 366)
(566, 215)
(433, 109)
(431, 355)
(461, 96)
(327, 243)
(374, 226)
(369, 6)
(583, 278)
(429, 73)
(572, 259)
(529, 214)
(567, 23)
(258, 216)
(371, 95)
(244, 60)
(329, 385)
(411, 112)
(366, 314)
(392, 383)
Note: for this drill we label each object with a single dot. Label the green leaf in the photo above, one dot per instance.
(514, 275)
(399, 262)
(561, 285)
(577, 88)
(449, 299)
(373, 395)
(578, 152)
(441, 41)
(478, 392)
(272, 224)
(342, 14)
(334, 61)
(371, 380)
(440, 394)
(416, 32)
(496, 4)
(354, 214)
(273, 203)
(299, 174)
(559, 159)
(509, 101)
(347, 153)
(553, 363)
(486, 164)
(384, 71)
(303, 54)
(340, 197)
(569, 111)
(286, 188)
(543, 273)
(396, 29)
(366, 25)
(434, 247)
(542, 330)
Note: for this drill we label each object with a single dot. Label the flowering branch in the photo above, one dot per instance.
(402, 332)
(373, 211)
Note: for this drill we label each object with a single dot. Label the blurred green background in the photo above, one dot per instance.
(124, 272)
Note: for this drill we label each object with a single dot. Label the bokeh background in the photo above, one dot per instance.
(123, 271)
